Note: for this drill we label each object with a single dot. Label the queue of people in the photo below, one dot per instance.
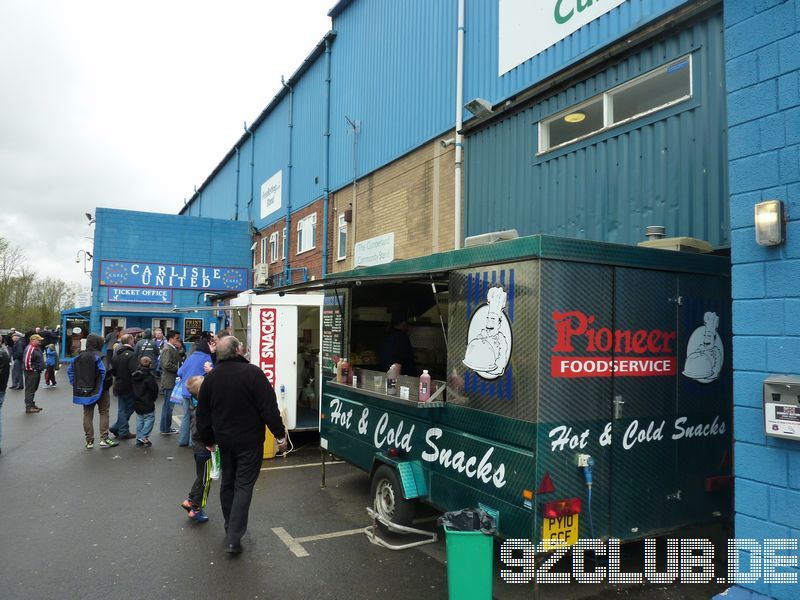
(227, 404)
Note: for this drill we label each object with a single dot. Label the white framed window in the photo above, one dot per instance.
(342, 238)
(656, 90)
(283, 243)
(306, 233)
(264, 249)
(273, 246)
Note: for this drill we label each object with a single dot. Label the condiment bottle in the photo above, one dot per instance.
(339, 371)
(391, 379)
(347, 372)
(424, 386)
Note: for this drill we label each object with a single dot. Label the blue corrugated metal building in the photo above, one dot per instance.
(639, 154)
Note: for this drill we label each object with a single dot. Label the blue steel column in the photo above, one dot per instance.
(236, 216)
(327, 149)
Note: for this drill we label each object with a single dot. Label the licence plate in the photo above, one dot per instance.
(559, 532)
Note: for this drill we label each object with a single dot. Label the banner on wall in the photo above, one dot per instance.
(139, 295)
(527, 28)
(271, 194)
(131, 274)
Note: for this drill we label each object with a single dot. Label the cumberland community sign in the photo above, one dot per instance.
(120, 273)
(527, 28)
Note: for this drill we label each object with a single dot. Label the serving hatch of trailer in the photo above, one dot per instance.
(581, 389)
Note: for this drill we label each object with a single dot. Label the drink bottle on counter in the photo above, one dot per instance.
(424, 386)
(347, 371)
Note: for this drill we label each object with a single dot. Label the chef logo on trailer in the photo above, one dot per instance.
(704, 353)
(489, 335)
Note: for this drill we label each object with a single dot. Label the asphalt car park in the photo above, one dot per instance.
(106, 522)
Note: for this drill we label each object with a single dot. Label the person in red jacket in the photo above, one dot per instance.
(236, 401)
(33, 365)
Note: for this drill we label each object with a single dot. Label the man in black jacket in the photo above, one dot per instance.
(123, 364)
(236, 401)
(5, 370)
(18, 344)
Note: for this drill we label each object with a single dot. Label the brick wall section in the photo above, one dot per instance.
(412, 197)
(763, 84)
(312, 259)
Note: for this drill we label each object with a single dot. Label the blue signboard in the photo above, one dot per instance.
(139, 295)
(170, 276)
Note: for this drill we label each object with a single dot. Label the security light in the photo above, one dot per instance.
(479, 107)
(769, 222)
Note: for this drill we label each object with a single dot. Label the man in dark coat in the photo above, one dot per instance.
(33, 365)
(18, 344)
(5, 371)
(236, 402)
(124, 364)
(170, 358)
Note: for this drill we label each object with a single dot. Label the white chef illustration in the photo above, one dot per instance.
(704, 351)
(489, 336)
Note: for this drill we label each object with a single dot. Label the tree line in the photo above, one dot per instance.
(26, 300)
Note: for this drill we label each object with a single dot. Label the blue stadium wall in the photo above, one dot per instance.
(393, 71)
(762, 63)
(668, 168)
(122, 235)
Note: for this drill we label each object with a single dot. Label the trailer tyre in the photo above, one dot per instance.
(387, 497)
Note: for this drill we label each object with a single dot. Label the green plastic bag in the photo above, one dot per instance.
(216, 464)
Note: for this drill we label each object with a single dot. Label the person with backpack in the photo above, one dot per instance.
(146, 347)
(90, 376)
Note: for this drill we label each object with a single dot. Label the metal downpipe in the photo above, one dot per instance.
(287, 274)
(327, 150)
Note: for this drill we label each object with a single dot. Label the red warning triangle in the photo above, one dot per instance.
(546, 486)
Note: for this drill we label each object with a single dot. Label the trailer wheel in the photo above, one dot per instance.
(387, 497)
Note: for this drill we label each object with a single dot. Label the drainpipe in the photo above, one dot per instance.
(252, 171)
(238, 157)
(286, 271)
(326, 183)
(459, 123)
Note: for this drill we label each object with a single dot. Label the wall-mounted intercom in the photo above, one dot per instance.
(782, 406)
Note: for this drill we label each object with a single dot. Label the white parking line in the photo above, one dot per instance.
(290, 542)
(316, 464)
(294, 543)
(327, 536)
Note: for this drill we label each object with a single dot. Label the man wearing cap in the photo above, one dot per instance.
(17, 350)
(33, 364)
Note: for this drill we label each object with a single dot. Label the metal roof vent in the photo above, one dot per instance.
(490, 238)
(656, 239)
(655, 232)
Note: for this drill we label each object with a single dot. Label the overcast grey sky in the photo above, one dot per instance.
(129, 105)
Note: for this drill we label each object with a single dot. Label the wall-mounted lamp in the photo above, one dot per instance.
(479, 107)
(447, 142)
(86, 257)
(769, 221)
(89, 218)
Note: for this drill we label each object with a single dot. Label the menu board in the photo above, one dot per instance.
(332, 329)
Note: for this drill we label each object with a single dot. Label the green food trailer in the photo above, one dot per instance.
(580, 389)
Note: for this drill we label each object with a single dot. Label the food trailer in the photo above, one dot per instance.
(282, 333)
(580, 389)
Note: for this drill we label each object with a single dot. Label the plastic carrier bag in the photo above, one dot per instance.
(469, 519)
(216, 464)
(176, 397)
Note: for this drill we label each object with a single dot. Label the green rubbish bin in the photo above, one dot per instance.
(470, 553)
